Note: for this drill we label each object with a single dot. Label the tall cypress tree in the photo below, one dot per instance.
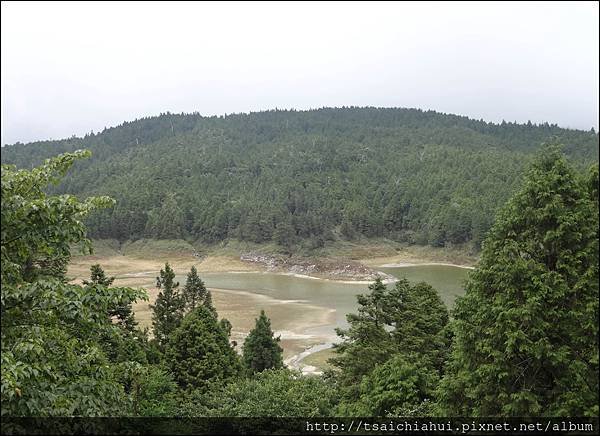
(261, 349)
(405, 319)
(194, 291)
(199, 351)
(366, 342)
(207, 303)
(168, 310)
(526, 332)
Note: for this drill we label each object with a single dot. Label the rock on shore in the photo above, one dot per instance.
(335, 269)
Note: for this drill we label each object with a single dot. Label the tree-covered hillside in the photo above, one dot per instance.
(304, 176)
(522, 342)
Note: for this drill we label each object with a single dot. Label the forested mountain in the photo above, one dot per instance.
(304, 176)
(522, 341)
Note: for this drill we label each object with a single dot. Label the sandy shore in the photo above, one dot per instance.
(296, 361)
(131, 266)
(134, 268)
(405, 264)
(292, 320)
(360, 282)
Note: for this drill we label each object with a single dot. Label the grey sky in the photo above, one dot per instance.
(69, 68)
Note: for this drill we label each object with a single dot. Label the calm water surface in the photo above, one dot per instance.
(448, 281)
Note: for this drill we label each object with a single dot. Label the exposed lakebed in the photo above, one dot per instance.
(305, 311)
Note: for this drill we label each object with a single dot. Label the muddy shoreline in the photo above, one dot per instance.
(407, 264)
(293, 320)
(323, 268)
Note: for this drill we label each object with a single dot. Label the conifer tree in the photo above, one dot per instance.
(98, 277)
(261, 349)
(168, 310)
(285, 234)
(208, 304)
(399, 387)
(199, 351)
(226, 326)
(122, 310)
(409, 320)
(194, 291)
(366, 342)
(526, 331)
(420, 322)
(166, 222)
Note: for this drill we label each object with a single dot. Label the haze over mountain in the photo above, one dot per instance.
(304, 178)
(64, 73)
(313, 216)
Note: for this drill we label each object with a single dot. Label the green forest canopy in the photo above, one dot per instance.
(522, 341)
(304, 176)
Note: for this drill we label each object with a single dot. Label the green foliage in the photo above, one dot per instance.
(194, 291)
(421, 324)
(52, 361)
(167, 312)
(285, 233)
(526, 332)
(199, 352)
(225, 325)
(98, 277)
(305, 177)
(208, 304)
(166, 222)
(275, 393)
(261, 349)
(524, 337)
(151, 390)
(366, 342)
(122, 311)
(407, 320)
(128, 343)
(398, 387)
(124, 345)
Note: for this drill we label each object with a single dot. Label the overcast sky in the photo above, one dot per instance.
(71, 68)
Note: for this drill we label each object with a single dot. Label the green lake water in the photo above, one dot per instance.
(448, 281)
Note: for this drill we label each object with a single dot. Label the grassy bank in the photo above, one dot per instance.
(150, 255)
(359, 250)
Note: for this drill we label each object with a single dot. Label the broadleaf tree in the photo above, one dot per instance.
(52, 363)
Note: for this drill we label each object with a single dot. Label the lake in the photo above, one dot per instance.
(339, 298)
(447, 280)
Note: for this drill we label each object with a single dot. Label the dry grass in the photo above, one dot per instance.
(419, 254)
(137, 272)
(373, 252)
(126, 266)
